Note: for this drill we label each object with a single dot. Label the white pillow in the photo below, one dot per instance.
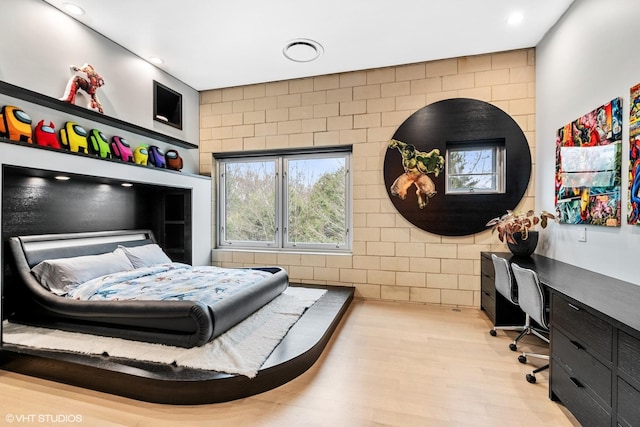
(146, 255)
(62, 274)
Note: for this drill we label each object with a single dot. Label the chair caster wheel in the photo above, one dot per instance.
(493, 333)
(531, 379)
(522, 359)
(513, 347)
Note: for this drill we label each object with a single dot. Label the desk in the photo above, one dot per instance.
(595, 340)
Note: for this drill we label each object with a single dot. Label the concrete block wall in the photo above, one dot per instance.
(391, 258)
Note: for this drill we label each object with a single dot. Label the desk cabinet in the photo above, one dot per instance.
(581, 350)
(595, 365)
(628, 380)
(497, 308)
(595, 338)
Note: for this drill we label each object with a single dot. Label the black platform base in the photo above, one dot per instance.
(159, 383)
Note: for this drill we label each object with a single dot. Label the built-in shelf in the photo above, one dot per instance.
(35, 146)
(167, 105)
(98, 203)
(176, 223)
(77, 111)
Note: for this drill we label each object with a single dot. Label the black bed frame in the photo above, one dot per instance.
(154, 382)
(176, 323)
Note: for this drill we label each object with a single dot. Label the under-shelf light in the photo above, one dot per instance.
(73, 9)
(62, 178)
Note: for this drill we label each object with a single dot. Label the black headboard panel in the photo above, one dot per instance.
(34, 204)
(39, 248)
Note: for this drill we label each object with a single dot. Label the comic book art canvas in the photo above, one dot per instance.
(588, 167)
(633, 216)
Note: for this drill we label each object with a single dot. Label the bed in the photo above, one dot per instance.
(72, 282)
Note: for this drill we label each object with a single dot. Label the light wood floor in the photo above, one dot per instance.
(388, 364)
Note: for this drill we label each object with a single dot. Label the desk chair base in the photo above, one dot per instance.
(513, 345)
(529, 330)
(525, 329)
(531, 378)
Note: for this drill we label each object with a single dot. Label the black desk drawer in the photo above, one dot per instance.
(629, 355)
(488, 285)
(577, 399)
(581, 365)
(486, 266)
(591, 332)
(628, 404)
(488, 304)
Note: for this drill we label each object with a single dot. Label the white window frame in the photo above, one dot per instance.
(280, 241)
(222, 241)
(498, 171)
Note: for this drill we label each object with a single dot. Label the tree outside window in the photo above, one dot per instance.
(475, 169)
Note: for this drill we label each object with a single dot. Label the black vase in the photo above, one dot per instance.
(524, 247)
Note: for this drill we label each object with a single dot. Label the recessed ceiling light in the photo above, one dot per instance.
(156, 60)
(62, 178)
(515, 18)
(127, 184)
(302, 50)
(73, 9)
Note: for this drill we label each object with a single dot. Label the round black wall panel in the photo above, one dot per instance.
(454, 121)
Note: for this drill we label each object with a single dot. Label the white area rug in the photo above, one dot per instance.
(241, 350)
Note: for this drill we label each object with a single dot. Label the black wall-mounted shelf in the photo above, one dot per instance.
(35, 146)
(55, 104)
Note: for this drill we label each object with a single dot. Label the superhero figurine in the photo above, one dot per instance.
(90, 85)
(45, 135)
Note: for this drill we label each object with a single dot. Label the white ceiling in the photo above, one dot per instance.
(210, 44)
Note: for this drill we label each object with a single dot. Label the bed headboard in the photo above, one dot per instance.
(48, 246)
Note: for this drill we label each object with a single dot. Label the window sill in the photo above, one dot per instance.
(285, 251)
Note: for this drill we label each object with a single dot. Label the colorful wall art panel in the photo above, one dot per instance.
(634, 157)
(588, 167)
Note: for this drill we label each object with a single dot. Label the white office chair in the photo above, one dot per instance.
(506, 286)
(533, 301)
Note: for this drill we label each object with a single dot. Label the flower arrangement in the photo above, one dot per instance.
(514, 222)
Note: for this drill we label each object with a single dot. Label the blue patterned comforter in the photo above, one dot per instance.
(171, 281)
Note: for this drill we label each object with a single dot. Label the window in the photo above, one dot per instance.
(476, 167)
(285, 201)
